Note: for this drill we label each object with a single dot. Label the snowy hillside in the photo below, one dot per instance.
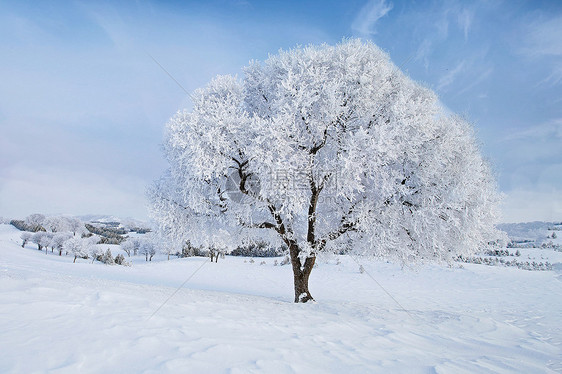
(238, 316)
(537, 232)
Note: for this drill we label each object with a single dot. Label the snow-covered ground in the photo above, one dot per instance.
(238, 317)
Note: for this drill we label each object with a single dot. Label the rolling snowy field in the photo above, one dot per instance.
(238, 317)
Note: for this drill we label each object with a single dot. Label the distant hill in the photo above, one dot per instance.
(536, 231)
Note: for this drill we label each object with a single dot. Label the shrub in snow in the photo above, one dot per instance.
(257, 249)
(107, 257)
(120, 259)
(321, 147)
(498, 252)
(538, 266)
(188, 250)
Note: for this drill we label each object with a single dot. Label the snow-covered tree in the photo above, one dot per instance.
(35, 221)
(95, 251)
(77, 247)
(56, 224)
(25, 237)
(107, 257)
(46, 240)
(58, 240)
(131, 245)
(128, 246)
(147, 249)
(168, 247)
(326, 148)
(120, 260)
(40, 238)
(76, 225)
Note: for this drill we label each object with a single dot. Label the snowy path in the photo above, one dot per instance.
(60, 317)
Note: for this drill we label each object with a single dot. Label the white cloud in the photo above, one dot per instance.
(365, 22)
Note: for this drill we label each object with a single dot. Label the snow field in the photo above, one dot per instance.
(236, 317)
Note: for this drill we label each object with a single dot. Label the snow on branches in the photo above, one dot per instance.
(326, 148)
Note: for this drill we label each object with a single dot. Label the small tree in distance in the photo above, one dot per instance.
(25, 237)
(326, 148)
(58, 240)
(128, 246)
(77, 247)
(40, 238)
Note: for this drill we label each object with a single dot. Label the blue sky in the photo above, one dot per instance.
(83, 105)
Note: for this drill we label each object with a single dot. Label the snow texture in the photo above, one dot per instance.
(238, 317)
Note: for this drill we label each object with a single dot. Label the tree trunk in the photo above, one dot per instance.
(74, 259)
(301, 274)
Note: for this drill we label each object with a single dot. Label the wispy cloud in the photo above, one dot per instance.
(481, 78)
(450, 77)
(423, 52)
(551, 130)
(365, 22)
(464, 20)
(543, 41)
(543, 38)
(554, 78)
